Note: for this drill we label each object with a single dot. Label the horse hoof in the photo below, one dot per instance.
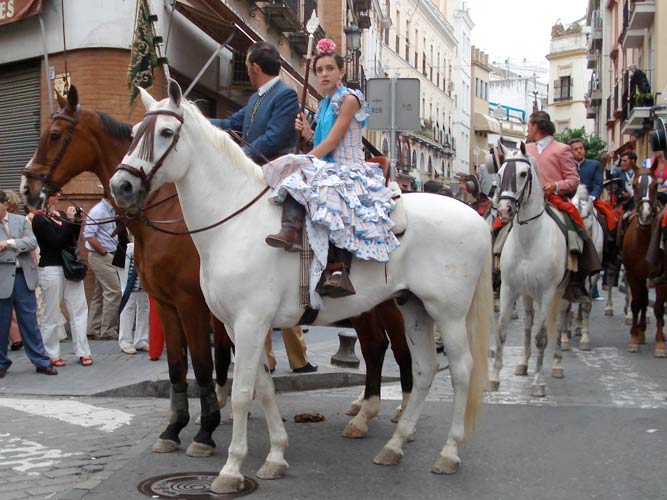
(445, 465)
(633, 347)
(353, 432)
(494, 385)
(565, 345)
(165, 446)
(397, 415)
(557, 373)
(272, 470)
(199, 450)
(608, 312)
(411, 437)
(353, 410)
(585, 346)
(228, 484)
(198, 420)
(537, 391)
(660, 353)
(388, 457)
(521, 370)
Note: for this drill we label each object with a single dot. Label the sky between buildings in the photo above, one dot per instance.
(520, 29)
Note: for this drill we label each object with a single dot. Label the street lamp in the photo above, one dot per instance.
(353, 42)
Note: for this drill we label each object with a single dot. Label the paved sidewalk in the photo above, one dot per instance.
(116, 374)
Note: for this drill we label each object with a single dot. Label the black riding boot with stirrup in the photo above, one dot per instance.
(335, 281)
(289, 236)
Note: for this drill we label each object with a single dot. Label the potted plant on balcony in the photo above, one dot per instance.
(643, 99)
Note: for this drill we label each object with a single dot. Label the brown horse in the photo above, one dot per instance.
(81, 140)
(635, 246)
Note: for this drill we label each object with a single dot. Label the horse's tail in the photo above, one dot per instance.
(478, 325)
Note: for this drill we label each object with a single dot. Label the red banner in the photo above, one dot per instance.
(15, 10)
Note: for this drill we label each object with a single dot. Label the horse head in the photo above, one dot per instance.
(70, 145)
(518, 181)
(645, 189)
(153, 158)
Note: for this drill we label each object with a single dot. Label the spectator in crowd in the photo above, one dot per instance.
(57, 231)
(135, 309)
(13, 207)
(101, 245)
(18, 280)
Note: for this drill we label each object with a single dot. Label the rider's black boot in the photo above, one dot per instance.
(336, 281)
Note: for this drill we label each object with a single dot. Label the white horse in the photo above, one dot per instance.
(584, 204)
(532, 265)
(442, 271)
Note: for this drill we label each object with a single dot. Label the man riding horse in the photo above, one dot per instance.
(558, 175)
(590, 174)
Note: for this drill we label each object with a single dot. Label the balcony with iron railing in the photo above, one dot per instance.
(637, 101)
(562, 89)
(595, 36)
(641, 14)
(299, 38)
(281, 15)
(594, 91)
(634, 26)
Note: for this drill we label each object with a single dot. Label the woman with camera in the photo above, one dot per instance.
(56, 232)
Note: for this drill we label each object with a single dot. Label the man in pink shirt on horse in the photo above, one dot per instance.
(559, 178)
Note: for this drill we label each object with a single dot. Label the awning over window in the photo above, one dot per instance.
(482, 122)
(216, 20)
(15, 10)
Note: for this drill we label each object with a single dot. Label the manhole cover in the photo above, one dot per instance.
(189, 486)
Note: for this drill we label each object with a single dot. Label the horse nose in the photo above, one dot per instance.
(125, 188)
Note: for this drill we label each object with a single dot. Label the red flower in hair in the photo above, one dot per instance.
(326, 46)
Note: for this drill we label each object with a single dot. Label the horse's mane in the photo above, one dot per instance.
(114, 127)
(223, 142)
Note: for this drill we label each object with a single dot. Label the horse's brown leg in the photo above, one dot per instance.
(635, 306)
(394, 326)
(178, 369)
(643, 320)
(373, 343)
(196, 321)
(659, 310)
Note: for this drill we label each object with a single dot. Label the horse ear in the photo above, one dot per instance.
(175, 93)
(72, 98)
(146, 98)
(522, 147)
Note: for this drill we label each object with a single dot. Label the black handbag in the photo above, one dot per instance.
(74, 268)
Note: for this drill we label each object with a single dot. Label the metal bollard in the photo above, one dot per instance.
(345, 356)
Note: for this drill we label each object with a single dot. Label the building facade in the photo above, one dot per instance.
(420, 43)
(569, 78)
(483, 124)
(628, 91)
(461, 81)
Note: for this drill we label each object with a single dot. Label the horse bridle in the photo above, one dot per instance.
(511, 184)
(146, 152)
(645, 198)
(47, 185)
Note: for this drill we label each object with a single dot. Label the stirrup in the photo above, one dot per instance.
(336, 285)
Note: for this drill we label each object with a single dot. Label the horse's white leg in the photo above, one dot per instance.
(249, 336)
(275, 465)
(529, 311)
(355, 406)
(543, 314)
(609, 306)
(585, 342)
(507, 299)
(460, 369)
(557, 368)
(627, 309)
(419, 330)
(565, 324)
(580, 316)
